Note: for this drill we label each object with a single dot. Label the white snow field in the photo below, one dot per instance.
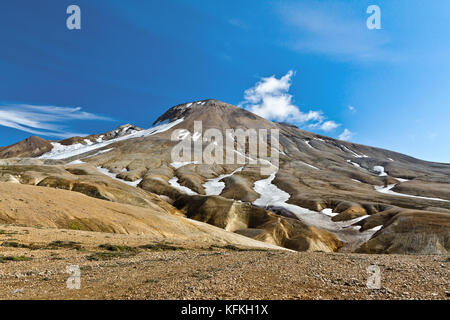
(271, 195)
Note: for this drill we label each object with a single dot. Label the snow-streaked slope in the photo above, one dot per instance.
(387, 190)
(60, 151)
(354, 163)
(114, 176)
(353, 152)
(271, 195)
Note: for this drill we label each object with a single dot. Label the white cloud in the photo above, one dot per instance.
(43, 120)
(329, 125)
(352, 108)
(270, 99)
(346, 135)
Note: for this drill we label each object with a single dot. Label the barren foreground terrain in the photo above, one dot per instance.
(33, 265)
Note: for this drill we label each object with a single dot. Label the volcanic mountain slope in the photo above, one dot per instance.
(30, 147)
(325, 194)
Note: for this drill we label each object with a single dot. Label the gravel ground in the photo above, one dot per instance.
(201, 272)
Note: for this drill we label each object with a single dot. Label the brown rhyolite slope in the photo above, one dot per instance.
(230, 215)
(317, 171)
(30, 147)
(61, 209)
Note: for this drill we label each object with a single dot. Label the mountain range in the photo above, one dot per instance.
(324, 194)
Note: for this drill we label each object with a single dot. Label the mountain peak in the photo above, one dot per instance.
(181, 110)
(29, 147)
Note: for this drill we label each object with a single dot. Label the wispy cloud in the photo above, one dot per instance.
(44, 120)
(333, 29)
(270, 99)
(352, 108)
(346, 135)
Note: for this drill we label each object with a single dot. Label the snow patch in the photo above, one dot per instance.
(387, 190)
(308, 143)
(174, 183)
(354, 163)
(309, 165)
(380, 170)
(353, 152)
(376, 228)
(329, 212)
(76, 162)
(114, 176)
(214, 187)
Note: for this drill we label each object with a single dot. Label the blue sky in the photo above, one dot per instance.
(133, 59)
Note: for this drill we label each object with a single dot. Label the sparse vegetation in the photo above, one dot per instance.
(101, 256)
(64, 244)
(151, 281)
(13, 244)
(234, 248)
(117, 248)
(4, 259)
(161, 247)
(74, 226)
(201, 275)
(7, 233)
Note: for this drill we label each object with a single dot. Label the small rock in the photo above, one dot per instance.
(16, 291)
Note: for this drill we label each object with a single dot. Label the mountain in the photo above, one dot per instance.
(324, 194)
(36, 146)
(30, 147)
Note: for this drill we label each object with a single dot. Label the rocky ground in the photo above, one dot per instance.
(33, 265)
